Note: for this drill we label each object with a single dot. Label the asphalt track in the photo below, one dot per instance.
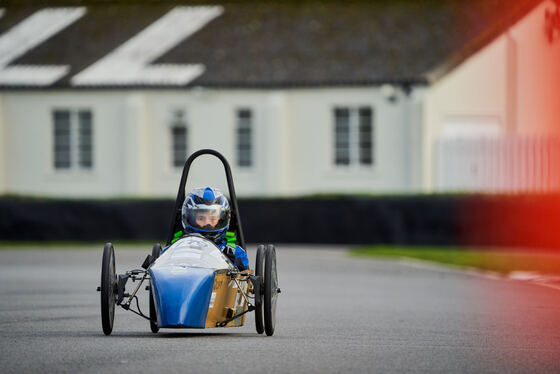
(336, 314)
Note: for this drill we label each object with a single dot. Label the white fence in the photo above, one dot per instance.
(499, 164)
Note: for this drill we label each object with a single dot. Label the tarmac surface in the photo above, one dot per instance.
(336, 314)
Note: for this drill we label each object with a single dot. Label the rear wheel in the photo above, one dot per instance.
(156, 251)
(108, 283)
(259, 272)
(270, 289)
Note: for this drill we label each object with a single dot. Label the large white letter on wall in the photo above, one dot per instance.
(129, 63)
(28, 34)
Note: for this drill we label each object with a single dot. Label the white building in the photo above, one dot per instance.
(492, 111)
(102, 101)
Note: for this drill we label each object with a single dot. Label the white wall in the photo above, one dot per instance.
(293, 141)
(29, 164)
(211, 123)
(538, 84)
(514, 82)
(3, 151)
(415, 138)
(475, 89)
(313, 139)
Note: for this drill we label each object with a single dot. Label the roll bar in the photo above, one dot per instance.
(235, 222)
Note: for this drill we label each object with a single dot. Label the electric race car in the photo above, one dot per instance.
(191, 282)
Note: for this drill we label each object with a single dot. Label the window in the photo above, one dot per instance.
(353, 136)
(178, 138)
(244, 138)
(73, 139)
(84, 140)
(365, 136)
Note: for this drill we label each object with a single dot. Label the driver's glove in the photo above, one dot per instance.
(230, 253)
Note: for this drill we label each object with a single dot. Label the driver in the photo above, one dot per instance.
(206, 211)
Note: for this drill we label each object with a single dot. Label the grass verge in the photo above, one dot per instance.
(502, 261)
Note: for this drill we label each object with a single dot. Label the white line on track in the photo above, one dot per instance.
(424, 264)
(536, 279)
(544, 284)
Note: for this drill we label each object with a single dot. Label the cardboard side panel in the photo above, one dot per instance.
(225, 297)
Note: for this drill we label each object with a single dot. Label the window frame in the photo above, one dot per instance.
(354, 142)
(75, 140)
(242, 123)
(173, 123)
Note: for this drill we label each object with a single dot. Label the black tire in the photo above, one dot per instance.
(153, 314)
(259, 271)
(156, 251)
(108, 283)
(270, 289)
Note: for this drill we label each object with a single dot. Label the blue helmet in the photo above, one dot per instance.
(206, 211)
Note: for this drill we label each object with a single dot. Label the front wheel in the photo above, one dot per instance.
(259, 272)
(156, 251)
(108, 282)
(270, 289)
(153, 314)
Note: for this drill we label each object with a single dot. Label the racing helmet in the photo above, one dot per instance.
(206, 211)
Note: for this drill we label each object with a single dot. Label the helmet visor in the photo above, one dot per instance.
(207, 217)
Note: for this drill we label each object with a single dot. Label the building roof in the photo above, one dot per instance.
(244, 44)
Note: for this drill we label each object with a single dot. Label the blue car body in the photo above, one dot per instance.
(183, 279)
